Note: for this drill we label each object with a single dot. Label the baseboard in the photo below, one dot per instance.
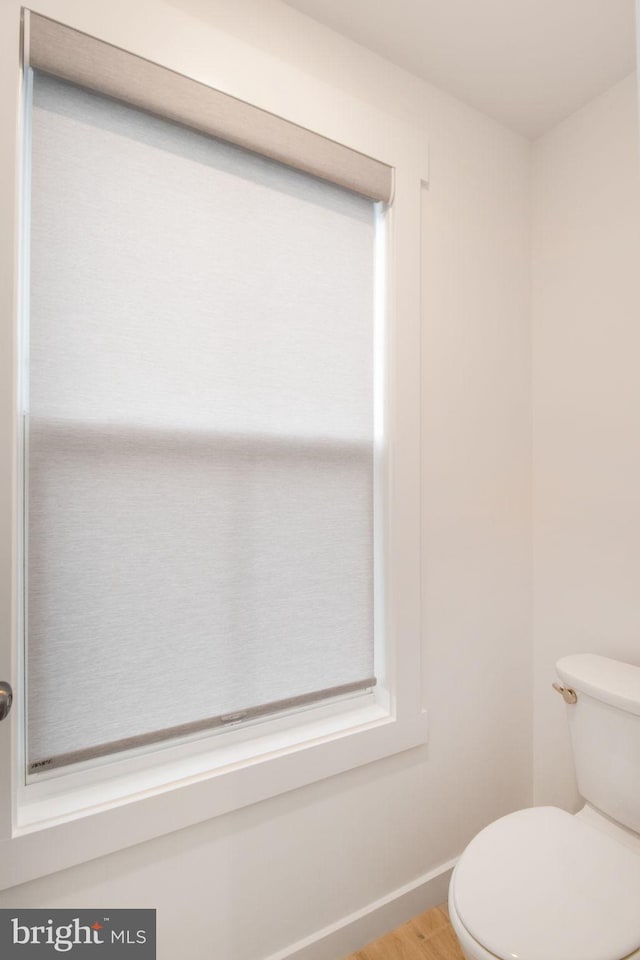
(354, 931)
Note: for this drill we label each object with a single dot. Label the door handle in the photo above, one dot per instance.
(6, 699)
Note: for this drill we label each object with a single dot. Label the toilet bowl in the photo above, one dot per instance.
(543, 884)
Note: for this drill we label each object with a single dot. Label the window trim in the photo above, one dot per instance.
(372, 730)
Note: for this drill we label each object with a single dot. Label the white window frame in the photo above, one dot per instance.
(63, 820)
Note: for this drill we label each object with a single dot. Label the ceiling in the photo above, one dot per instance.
(528, 63)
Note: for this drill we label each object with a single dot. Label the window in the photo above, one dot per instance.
(217, 558)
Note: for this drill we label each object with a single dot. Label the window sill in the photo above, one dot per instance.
(69, 793)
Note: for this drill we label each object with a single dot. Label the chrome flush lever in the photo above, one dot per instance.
(6, 699)
(568, 695)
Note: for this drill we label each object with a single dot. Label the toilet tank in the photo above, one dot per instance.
(605, 733)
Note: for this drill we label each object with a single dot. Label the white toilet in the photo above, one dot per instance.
(542, 884)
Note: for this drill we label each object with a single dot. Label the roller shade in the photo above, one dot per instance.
(66, 53)
(199, 459)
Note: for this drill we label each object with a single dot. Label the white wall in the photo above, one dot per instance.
(586, 363)
(244, 886)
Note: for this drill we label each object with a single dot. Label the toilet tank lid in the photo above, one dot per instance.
(604, 679)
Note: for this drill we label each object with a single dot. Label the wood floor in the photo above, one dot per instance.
(429, 936)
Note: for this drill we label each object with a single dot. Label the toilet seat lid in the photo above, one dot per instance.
(541, 884)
